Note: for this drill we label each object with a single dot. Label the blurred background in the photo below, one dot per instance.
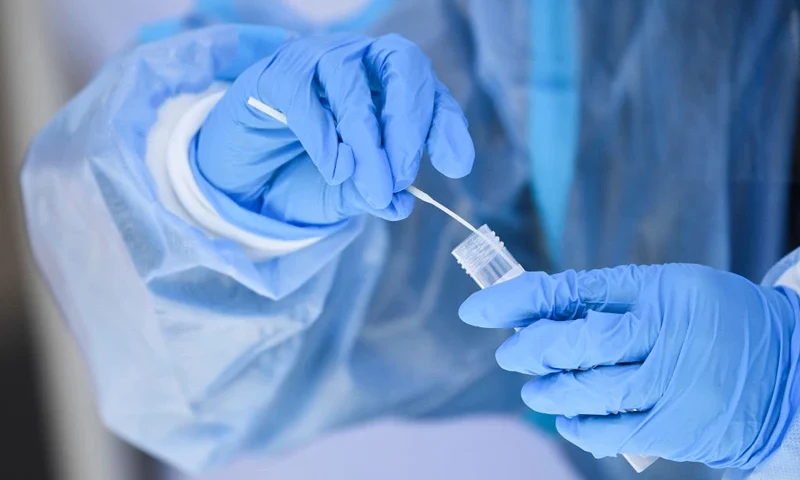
(50, 427)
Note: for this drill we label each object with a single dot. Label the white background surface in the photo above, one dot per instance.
(475, 449)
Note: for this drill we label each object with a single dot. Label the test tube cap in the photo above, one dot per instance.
(485, 258)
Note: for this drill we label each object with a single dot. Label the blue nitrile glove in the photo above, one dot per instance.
(707, 359)
(359, 110)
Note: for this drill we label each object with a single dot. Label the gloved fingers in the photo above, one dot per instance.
(599, 391)
(343, 78)
(401, 207)
(603, 436)
(315, 127)
(234, 138)
(563, 296)
(287, 82)
(351, 203)
(298, 194)
(231, 148)
(403, 75)
(550, 346)
(240, 147)
(449, 142)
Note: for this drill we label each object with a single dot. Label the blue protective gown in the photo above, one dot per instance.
(606, 132)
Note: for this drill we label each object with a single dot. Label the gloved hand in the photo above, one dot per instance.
(359, 111)
(704, 361)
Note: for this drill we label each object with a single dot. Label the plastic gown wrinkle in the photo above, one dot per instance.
(187, 339)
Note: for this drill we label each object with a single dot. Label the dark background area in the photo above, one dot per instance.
(49, 424)
(22, 438)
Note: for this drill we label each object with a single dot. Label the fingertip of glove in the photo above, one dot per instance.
(451, 148)
(378, 199)
(505, 354)
(343, 166)
(469, 311)
(401, 207)
(536, 397)
(568, 428)
(454, 164)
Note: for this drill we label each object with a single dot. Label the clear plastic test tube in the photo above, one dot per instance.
(484, 257)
